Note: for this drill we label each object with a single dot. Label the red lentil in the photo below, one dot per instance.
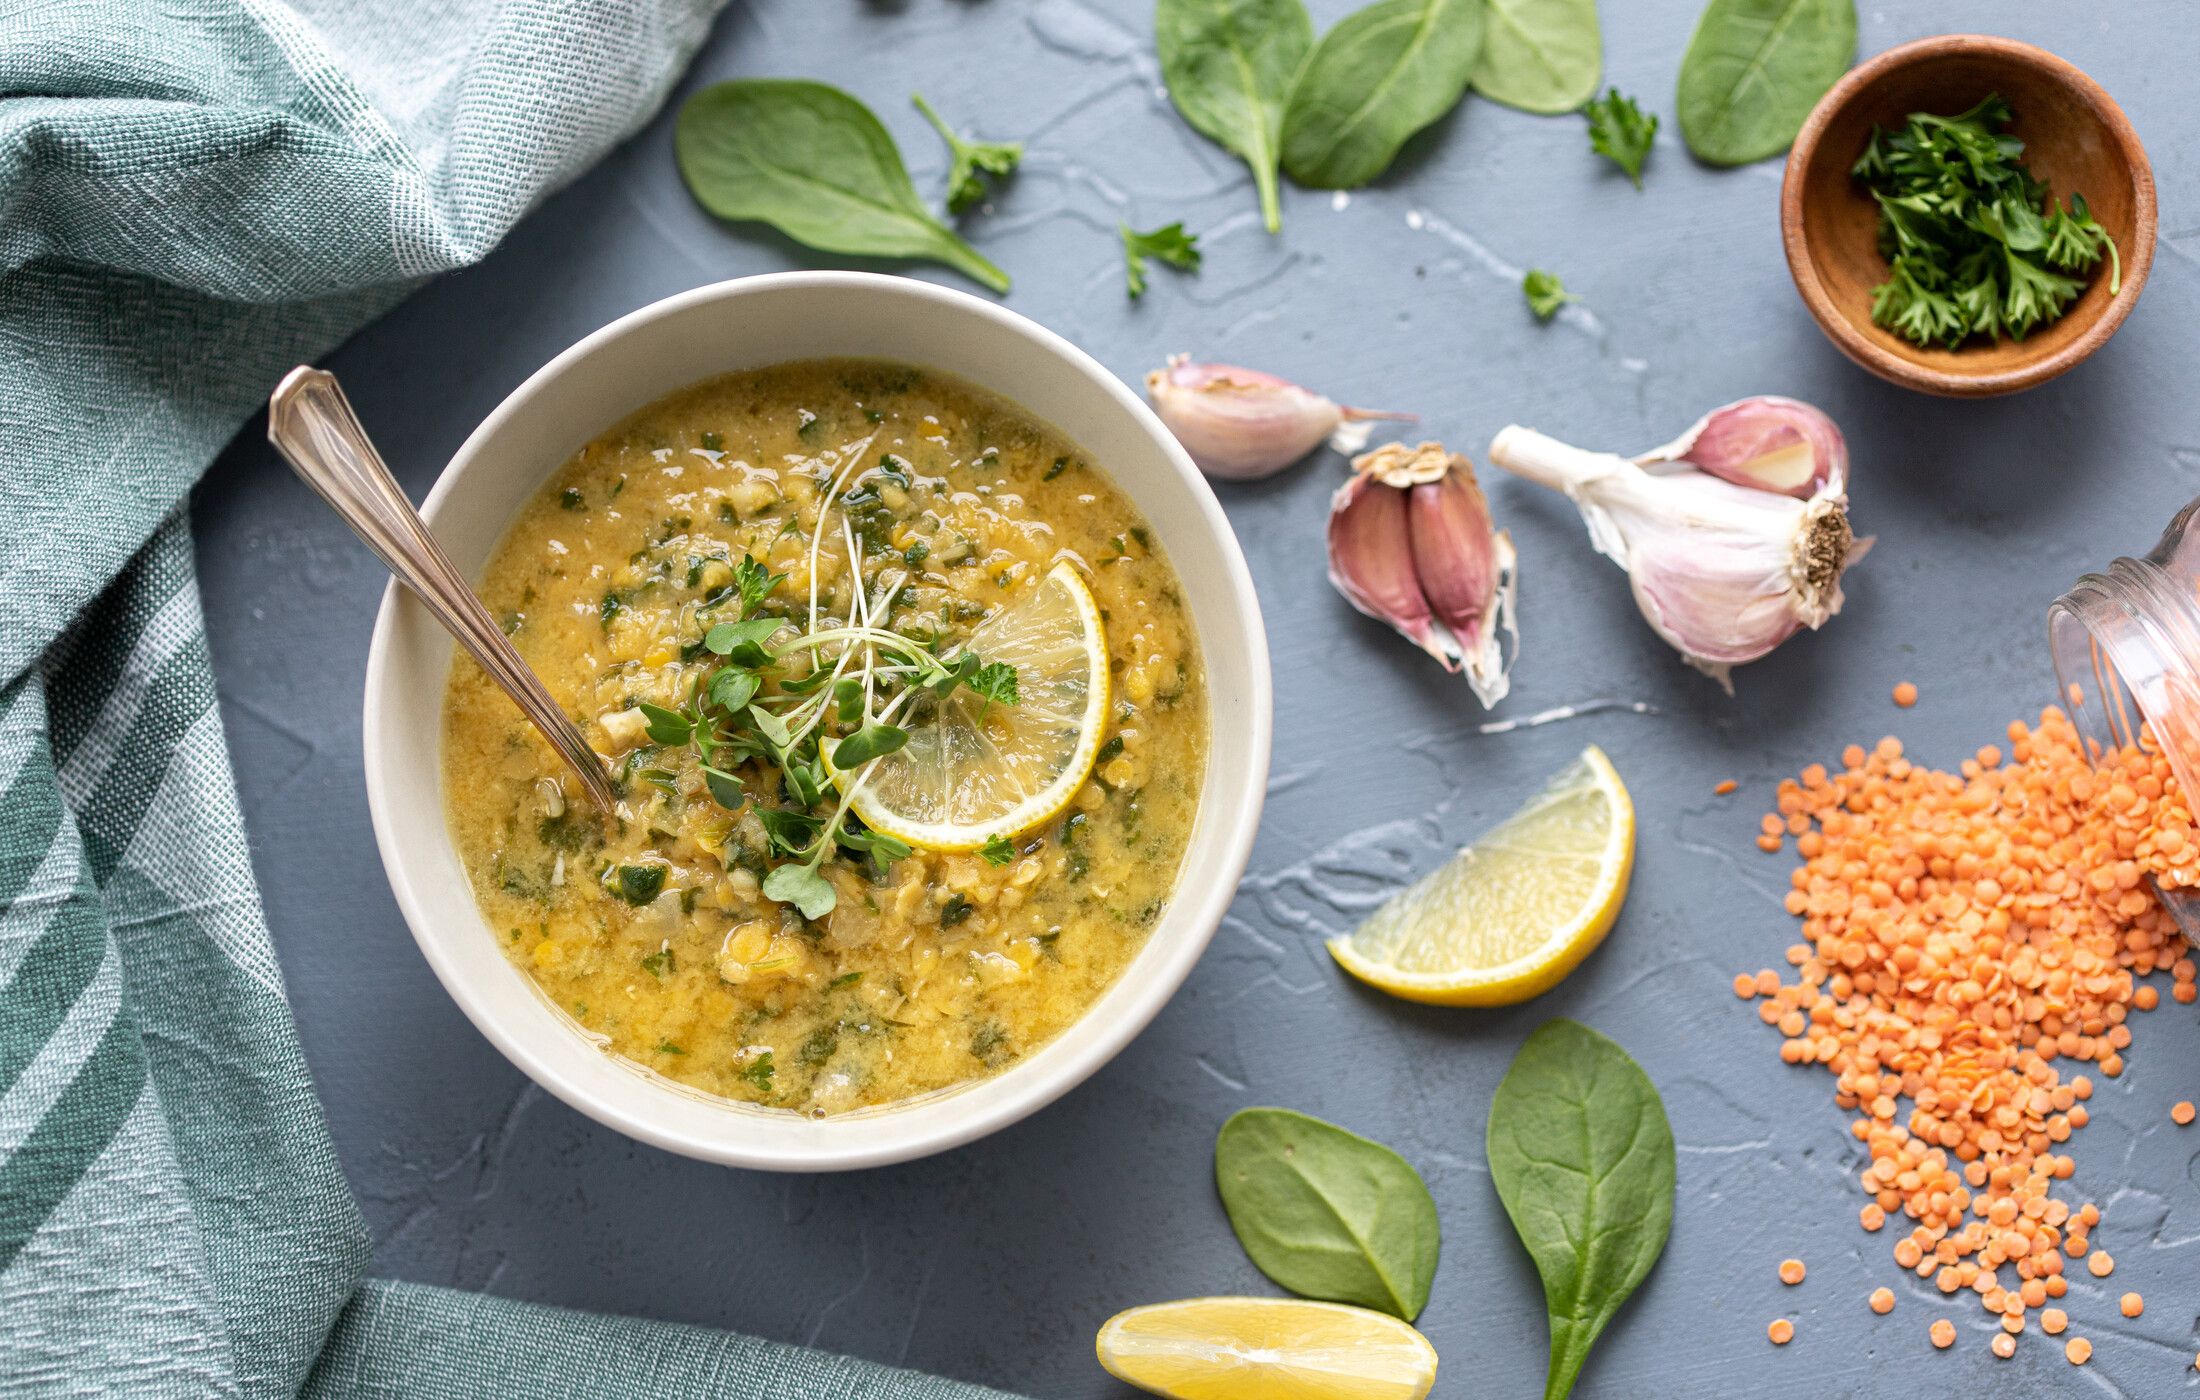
(1781, 1331)
(1962, 932)
(1905, 695)
(1943, 1333)
(1882, 1300)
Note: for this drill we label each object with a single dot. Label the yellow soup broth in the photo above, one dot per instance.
(652, 930)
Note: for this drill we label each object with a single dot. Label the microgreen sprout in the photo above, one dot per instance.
(817, 701)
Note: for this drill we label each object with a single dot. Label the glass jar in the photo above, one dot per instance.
(2126, 644)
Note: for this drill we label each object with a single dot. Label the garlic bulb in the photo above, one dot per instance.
(1240, 424)
(1725, 564)
(1411, 544)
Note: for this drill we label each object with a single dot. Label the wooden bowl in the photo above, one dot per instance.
(2076, 139)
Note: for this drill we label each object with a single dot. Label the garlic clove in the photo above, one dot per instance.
(1768, 443)
(1241, 424)
(1723, 571)
(1371, 564)
(1466, 569)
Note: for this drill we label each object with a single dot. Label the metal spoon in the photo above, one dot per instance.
(312, 424)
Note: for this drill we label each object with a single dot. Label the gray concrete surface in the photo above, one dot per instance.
(996, 1262)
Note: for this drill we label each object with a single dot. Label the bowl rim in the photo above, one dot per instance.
(1199, 900)
(1899, 368)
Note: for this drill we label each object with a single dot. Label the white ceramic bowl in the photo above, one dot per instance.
(745, 324)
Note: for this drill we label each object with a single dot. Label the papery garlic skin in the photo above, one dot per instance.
(1768, 443)
(1723, 572)
(1411, 544)
(1240, 424)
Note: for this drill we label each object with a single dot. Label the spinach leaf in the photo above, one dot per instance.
(1326, 1213)
(1582, 1157)
(1754, 70)
(1381, 75)
(814, 163)
(1540, 55)
(1229, 66)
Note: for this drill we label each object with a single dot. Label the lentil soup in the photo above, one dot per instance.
(656, 932)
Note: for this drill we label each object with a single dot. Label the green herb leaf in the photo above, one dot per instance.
(883, 849)
(845, 979)
(1540, 55)
(965, 183)
(814, 163)
(803, 887)
(1229, 65)
(997, 851)
(1621, 132)
(1754, 70)
(955, 911)
(953, 674)
(1974, 244)
(789, 832)
(639, 884)
(754, 581)
(744, 641)
(848, 701)
(666, 726)
(996, 681)
(659, 964)
(869, 742)
(1545, 293)
(1582, 1156)
(1327, 1213)
(732, 687)
(758, 1073)
(725, 788)
(1170, 243)
(1382, 74)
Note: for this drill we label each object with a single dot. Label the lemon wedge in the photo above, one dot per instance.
(974, 769)
(1267, 1349)
(1514, 912)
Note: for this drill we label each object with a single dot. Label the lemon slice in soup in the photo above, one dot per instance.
(974, 769)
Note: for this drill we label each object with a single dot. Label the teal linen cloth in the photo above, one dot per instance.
(194, 196)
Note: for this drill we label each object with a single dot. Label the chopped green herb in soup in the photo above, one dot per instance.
(902, 789)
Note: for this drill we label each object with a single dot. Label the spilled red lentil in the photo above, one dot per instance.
(1962, 933)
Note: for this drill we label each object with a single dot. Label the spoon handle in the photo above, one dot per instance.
(312, 424)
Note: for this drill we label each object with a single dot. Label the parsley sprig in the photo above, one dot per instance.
(1974, 244)
(1620, 131)
(817, 706)
(1170, 243)
(971, 159)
